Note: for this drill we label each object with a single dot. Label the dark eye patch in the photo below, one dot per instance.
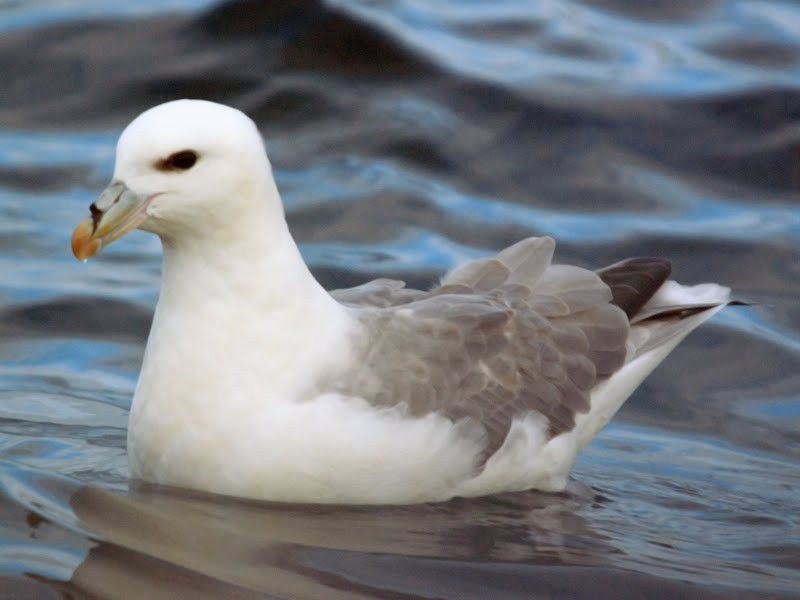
(178, 161)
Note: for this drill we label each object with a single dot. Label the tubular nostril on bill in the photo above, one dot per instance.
(96, 214)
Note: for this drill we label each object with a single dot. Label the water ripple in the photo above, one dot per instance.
(406, 137)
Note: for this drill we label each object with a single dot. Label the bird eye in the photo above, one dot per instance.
(179, 161)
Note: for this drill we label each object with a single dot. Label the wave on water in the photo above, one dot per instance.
(406, 137)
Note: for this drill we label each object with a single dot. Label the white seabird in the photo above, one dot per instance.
(258, 383)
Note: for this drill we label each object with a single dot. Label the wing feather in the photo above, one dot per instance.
(380, 293)
(504, 336)
(500, 337)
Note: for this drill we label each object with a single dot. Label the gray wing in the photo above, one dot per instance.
(380, 293)
(499, 337)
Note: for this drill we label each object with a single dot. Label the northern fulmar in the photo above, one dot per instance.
(257, 382)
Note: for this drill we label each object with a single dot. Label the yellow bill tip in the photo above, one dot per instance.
(84, 245)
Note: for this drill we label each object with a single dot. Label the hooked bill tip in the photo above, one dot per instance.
(84, 245)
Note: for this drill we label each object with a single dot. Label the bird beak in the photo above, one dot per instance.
(116, 211)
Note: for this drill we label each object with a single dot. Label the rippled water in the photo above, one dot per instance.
(407, 136)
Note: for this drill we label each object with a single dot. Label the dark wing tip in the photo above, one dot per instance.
(634, 281)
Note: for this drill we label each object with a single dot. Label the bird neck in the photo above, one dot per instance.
(245, 314)
(246, 285)
(260, 265)
(246, 254)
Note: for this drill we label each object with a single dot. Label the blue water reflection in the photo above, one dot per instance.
(24, 14)
(617, 128)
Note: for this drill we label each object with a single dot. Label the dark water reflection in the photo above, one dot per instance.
(408, 136)
(159, 542)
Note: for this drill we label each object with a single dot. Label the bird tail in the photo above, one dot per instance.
(663, 322)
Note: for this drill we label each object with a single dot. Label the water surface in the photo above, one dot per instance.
(406, 137)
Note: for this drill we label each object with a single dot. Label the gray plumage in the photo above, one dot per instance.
(499, 337)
